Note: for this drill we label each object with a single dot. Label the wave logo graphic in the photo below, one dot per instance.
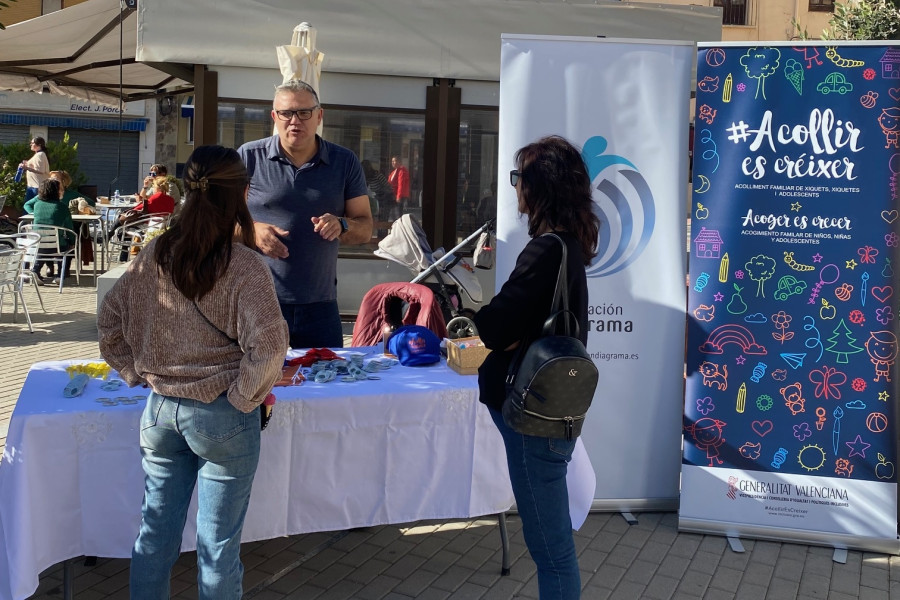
(625, 206)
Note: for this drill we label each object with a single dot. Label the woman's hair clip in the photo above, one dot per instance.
(203, 184)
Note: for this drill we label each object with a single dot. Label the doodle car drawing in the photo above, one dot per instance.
(835, 82)
(789, 286)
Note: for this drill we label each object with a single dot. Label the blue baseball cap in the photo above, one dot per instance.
(415, 345)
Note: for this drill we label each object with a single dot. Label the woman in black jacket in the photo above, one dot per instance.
(554, 192)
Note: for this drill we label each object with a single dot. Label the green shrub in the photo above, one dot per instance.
(10, 157)
(864, 20)
(63, 156)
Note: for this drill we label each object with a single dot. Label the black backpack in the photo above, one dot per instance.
(551, 383)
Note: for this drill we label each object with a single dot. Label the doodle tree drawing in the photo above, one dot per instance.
(760, 63)
(760, 269)
(842, 343)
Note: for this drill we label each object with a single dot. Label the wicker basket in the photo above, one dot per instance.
(466, 360)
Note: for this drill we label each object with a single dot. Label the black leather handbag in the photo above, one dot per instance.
(551, 383)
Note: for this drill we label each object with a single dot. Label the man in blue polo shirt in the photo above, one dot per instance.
(307, 197)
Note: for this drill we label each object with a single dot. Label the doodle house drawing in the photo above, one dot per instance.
(890, 64)
(708, 243)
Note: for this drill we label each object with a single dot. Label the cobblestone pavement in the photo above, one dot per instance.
(449, 559)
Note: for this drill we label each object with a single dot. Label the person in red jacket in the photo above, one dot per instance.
(399, 180)
(159, 202)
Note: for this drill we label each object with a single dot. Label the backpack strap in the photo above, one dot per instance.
(560, 304)
(558, 307)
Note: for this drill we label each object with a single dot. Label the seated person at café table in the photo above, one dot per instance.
(50, 210)
(160, 171)
(159, 202)
(65, 194)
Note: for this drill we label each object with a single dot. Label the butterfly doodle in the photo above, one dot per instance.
(828, 380)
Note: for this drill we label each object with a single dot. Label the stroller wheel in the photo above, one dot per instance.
(461, 327)
(467, 312)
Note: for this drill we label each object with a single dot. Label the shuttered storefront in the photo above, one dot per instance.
(14, 134)
(97, 157)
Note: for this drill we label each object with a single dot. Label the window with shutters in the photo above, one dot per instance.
(735, 12)
(821, 5)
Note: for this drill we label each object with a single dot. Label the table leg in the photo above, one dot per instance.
(504, 542)
(93, 262)
(104, 247)
(86, 229)
(104, 237)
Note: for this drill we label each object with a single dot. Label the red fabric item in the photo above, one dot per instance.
(375, 309)
(157, 203)
(312, 355)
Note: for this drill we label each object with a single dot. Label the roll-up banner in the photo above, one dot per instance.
(625, 103)
(792, 385)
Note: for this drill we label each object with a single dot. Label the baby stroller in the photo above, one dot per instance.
(446, 274)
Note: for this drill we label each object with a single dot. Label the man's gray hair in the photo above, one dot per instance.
(293, 86)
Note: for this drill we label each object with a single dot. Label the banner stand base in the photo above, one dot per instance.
(838, 541)
(840, 556)
(736, 545)
(629, 518)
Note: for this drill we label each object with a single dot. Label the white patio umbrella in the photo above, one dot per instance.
(301, 60)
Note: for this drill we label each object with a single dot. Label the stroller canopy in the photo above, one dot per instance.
(406, 244)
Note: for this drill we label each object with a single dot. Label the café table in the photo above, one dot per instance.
(77, 220)
(415, 444)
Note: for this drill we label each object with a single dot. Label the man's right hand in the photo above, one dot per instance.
(268, 240)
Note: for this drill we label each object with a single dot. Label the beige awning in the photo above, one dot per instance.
(76, 52)
(414, 38)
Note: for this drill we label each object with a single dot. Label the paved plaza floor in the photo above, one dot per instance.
(448, 559)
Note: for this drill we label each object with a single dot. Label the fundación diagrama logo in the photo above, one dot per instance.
(626, 208)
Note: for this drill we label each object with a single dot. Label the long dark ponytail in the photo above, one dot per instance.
(196, 249)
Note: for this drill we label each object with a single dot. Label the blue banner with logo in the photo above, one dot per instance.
(625, 104)
(792, 384)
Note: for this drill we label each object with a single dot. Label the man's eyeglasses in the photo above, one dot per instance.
(304, 114)
(514, 177)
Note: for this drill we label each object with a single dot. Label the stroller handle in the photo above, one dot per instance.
(488, 226)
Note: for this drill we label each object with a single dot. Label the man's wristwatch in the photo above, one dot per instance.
(344, 226)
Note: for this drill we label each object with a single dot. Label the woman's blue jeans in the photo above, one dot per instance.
(537, 470)
(216, 446)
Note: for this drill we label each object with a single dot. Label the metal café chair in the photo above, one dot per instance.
(134, 235)
(51, 248)
(29, 243)
(11, 281)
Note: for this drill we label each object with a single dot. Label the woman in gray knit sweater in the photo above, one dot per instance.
(196, 319)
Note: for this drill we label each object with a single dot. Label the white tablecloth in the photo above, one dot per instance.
(414, 445)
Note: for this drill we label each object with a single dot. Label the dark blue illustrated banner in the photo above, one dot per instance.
(793, 299)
